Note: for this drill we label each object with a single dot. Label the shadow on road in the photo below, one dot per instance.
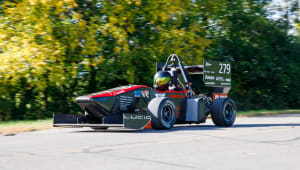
(184, 128)
(175, 128)
(264, 125)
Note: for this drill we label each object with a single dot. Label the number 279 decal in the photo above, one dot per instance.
(224, 68)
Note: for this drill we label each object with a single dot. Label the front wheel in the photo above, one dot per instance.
(223, 112)
(163, 112)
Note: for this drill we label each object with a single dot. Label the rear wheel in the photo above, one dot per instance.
(223, 112)
(163, 112)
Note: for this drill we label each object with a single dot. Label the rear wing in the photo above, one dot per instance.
(215, 73)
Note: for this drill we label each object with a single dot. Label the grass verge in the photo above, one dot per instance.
(12, 127)
(267, 112)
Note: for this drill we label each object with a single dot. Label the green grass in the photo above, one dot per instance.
(12, 123)
(19, 126)
(267, 112)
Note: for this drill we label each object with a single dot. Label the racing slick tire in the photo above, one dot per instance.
(223, 112)
(163, 113)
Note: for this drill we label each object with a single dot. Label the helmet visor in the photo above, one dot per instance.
(162, 80)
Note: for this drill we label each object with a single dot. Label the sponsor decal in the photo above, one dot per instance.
(136, 121)
(219, 95)
(160, 94)
(220, 78)
(101, 99)
(137, 93)
(209, 77)
(146, 93)
(176, 96)
(120, 92)
(125, 102)
(207, 64)
(209, 83)
(217, 73)
(117, 92)
(136, 116)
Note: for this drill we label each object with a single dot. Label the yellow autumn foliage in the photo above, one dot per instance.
(54, 50)
(31, 47)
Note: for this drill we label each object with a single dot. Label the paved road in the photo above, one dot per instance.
(269, 142)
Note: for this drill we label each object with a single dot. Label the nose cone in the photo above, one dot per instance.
(110, 101)
(83, 99)
(93, 106)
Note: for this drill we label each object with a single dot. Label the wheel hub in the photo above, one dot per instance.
(167, 115)
(229, 112)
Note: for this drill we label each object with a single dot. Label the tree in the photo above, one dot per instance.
(52, 51)
(42, 46)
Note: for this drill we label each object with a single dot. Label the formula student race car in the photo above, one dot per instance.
(171, 101)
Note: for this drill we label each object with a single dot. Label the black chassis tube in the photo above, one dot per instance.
(173, 58)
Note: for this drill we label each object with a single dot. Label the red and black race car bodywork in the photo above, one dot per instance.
(139, 106)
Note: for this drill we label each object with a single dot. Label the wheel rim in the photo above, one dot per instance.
(167, 115)
(229, 112)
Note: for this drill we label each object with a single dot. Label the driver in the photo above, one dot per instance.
(162, 80)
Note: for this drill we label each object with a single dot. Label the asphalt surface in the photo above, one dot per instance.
(269, 142)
